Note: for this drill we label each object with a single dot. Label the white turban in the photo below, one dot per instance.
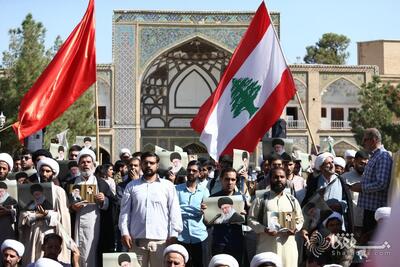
(46, 262)
(350, 153)
(53, 164)
(335, 215)
(332, 265)
(178, 249)
(86, 152)
(14, 245)
(266, 257)
(223, 259)
(383, 213)
(7, 159)
(125, 151)
(339, 161)
(321, 158)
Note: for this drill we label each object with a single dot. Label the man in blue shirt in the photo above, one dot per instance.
(194, 232)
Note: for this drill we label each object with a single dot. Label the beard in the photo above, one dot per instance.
(148, 172)
(224, 218)
(86, 173)
(278, 187)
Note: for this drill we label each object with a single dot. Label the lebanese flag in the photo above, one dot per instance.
(71, 72)
(256, 86)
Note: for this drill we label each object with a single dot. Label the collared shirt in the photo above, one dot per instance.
(194, 230)
(150, 210)
(203, 183)
(375, 180)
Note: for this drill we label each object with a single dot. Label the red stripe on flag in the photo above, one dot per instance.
(250, 40)
(265, 117)
(71, 72)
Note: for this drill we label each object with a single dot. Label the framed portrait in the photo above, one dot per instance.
(82, 192)
(225, 209)
(124, 259)
(241, 159)
(30, 196)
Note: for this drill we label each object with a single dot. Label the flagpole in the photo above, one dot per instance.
(5, 128)
(306, 120)
(297, 94)
(96, 96)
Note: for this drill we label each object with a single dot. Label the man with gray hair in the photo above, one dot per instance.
(374, 185)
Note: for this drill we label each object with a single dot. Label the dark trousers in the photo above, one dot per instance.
(369, 226)
(235, 251)
(196, 254)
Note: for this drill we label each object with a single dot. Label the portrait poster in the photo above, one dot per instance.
(315, 211)
(118, 259)
(281, 221)
(174, 161)
(54, 150)
(268, 149)
(225, 209)
(79, 141)
(158, 150)
(305, 160)
(11, 188)
(30, 196)
(178, 149)
(82, 192)
(241, 159)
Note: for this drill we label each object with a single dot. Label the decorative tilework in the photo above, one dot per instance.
(153, 39)
(327, 78)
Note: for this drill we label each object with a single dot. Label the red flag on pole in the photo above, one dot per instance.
(252, 93)
(71, 72)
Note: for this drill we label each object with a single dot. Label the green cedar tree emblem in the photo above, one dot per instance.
(243, 93)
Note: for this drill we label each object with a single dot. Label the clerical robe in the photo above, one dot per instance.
(282, 244)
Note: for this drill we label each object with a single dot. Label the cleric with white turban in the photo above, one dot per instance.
(6, 158)
(382, 213)
(223, 259)
(15, 245)
(176, 248)
(321, 159)
(51, 163)
(266, 257)
(86, 152)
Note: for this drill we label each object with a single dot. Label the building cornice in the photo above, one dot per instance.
(335, 68)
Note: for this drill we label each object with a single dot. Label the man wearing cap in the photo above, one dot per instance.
(175, 255)
(12, 252)
(91, 219)
(150, 216)
(125, 155)
(355, 176)
(270, 237)
(265, 259)
(374, 185)
(44, 217)
(8, 212)
(223, 260)
(228, 237)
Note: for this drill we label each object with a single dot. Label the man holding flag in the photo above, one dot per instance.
(251, 95)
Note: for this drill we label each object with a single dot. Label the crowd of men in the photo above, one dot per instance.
(159, 215)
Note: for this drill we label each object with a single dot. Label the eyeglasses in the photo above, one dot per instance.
(26, 157)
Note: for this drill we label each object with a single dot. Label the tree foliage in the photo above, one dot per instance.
(330, 49)
(23, 63)
(380, 108)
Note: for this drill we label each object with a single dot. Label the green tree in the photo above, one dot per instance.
(330, 49)
(380, 108)
(24, 61)
(243, 93)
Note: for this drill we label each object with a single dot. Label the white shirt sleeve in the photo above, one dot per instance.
(126, 203)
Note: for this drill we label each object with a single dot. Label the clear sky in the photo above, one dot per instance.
(302, 22)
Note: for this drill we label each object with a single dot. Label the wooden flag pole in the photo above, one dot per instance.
(307, 124)
(97, 123)
(5, 128)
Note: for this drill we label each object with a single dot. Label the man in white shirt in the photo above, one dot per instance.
(150, 217)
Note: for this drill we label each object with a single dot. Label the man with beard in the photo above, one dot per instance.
(6, 166)
(275, 161)
(228, 213)
(295, 183)
(91, 219)
(150, 216)
(194, 231)
(354, 176)
(7, 214)
(44, 217)
(228, 238)
(332, 188)
(11, 252)
(282, 243)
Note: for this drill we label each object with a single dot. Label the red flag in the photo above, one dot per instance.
(255, 87)
(71, 72)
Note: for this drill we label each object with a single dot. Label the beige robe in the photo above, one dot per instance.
(282, 244)
(32, 231)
